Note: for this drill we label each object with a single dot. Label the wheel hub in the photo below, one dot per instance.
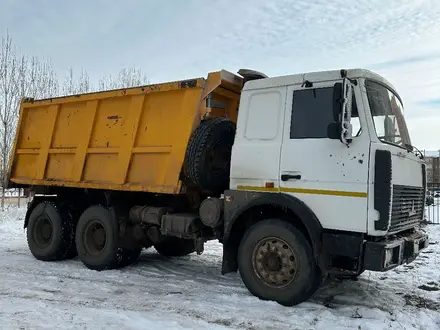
(99, 237)
(274, 262)
(219, 158)
(47, 231)
(43, 232)
(95, 237)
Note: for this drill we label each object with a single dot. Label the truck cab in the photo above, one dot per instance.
(334, 147)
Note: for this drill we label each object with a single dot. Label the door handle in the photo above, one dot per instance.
(287, 177)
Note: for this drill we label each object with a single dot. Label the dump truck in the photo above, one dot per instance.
(299, 176)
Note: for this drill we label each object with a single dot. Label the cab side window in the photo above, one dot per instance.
(263, 116)
(312, 112)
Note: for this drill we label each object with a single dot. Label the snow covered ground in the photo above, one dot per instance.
(190, 293)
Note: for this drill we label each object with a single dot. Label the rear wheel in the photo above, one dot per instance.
(97, 236)
(50, 233)
(175, 247)
(276, 263)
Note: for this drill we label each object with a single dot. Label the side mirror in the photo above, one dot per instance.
(338, 94)
(334, 128)
(342, 105)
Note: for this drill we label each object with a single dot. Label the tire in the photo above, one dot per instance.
(97, 239)
(208, 156)
(314, 284)
(72, 252)
(50, 233)
(175, 247)
(292, 261)
(129, 256)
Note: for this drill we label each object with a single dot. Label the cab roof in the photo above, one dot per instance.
(319, 76)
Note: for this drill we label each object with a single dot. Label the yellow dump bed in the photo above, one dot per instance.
(129, 139)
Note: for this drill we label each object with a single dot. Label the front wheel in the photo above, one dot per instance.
(276, 263)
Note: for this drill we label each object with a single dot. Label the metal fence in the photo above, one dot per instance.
(432, 204)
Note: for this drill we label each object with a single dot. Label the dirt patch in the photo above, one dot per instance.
(329, 302)
(421, 302)
(431, 286)
(224, 322)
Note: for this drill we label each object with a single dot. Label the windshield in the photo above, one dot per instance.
(387, 112)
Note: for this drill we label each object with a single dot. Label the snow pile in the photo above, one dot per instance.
(190, 293)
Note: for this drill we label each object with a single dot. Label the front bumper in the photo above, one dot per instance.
(384, 255)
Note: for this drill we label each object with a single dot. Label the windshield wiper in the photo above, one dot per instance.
(411, 148)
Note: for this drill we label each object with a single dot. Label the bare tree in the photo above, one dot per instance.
(39, 80)
(8, 91)
(76, 85)
(125, 78)
(22, 76)
(69, 83)
(19, 77)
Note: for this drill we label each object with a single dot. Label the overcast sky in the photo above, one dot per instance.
(171, 40)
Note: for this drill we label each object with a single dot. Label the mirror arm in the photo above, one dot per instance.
(346, 128)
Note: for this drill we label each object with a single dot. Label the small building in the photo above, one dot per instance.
(432, 161)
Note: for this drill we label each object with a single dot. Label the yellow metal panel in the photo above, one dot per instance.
(71, 119)
(224, 88)
(100, 168)
(159, 119)
(25, 166)
(141, 175)
(99, 185)
(34, 127)
(59, 166)
(128, 139)
(165, 87)
(45, 139)
(88, 119)
(108, 128)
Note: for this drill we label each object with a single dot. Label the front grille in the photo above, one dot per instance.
(407, 207)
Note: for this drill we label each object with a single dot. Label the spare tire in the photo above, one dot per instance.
(208, 156)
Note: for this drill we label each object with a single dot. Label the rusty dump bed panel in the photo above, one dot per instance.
(132, 139)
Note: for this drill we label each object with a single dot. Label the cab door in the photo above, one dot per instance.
(255, 161)
(329, 177)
